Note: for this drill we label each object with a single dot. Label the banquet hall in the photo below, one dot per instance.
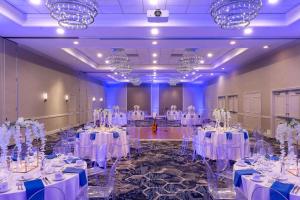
(149, 99)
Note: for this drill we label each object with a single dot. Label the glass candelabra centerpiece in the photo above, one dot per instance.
(222, 118)
(25, 156)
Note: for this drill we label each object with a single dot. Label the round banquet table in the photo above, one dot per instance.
(248, 185)
(240, 145)
(103, 136)
(69, 185)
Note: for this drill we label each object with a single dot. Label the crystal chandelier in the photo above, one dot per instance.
(173, 82)
(231, 14)
(188, 61)
(73, 14)
(118, 61)
(136, 81)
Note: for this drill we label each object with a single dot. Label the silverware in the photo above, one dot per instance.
(48, 180)
(294, 188)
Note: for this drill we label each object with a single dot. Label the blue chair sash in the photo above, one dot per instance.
(282, 188)
(34, 186)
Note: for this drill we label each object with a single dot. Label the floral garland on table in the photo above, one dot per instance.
(285, 132)
(33, 130)
(221, 115)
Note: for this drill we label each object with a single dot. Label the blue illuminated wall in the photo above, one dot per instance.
(116, 94)
(155, 98)
(193, 94)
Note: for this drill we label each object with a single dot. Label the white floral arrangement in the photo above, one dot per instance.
(12, 131)
(221, 115)
(116, 109)
(97, 115)
(173, 107)
(136, 107)
(106, 117)
(286, 132)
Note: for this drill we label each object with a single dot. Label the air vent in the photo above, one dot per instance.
(176, 55)
(132, 55)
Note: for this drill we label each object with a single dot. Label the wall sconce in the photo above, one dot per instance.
(45, 96)
(101, 99)
(67, 98)
(94, 99)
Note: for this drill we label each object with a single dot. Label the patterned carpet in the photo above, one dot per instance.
(160, 172)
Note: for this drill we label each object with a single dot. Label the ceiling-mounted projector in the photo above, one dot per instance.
(158, 15)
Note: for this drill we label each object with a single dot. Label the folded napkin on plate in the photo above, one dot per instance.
(116, 135)
(228, 135)
(72, 160)
(274, 157)
(283, 188)
(248, 161)
(51, 156)
(208, 134)
(34, 186)
(246, 135)
(238, 176)
(80, 172)
(93, 136)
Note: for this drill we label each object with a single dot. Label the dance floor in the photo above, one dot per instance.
(163, 133)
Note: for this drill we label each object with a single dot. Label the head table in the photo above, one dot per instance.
(268, 177)
(69, 184)
(208, 140)
(94, 138)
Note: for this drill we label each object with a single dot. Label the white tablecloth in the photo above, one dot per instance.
(219, 138)
(119, 119)
(103, 136)
(173, 115)
(248, 185)
(191, 119)
(70, 185)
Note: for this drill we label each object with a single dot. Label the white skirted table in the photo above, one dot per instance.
(209, 143)
(94, 138)
(249, 185)
(70, 184)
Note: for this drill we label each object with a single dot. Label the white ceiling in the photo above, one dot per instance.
(123, 24)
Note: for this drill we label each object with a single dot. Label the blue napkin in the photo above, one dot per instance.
(72, 160)
(228, 135)
(80, 172)
(116, 135)
(283, 188)
(208, 134)
(93, 136)
(274, 157)
(32, 187)
(51, 156)
(246, 136)
(238, 176)
(78, 135)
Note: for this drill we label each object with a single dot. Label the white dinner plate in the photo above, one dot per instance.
(61, 179)
(257, 180)
(25, 178)
(3, 191)
(58, 164)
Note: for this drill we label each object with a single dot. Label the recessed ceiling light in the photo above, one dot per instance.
(154, 61)
(154, 31)
(266, 46)
(187, 75)
(153, 2)
(248, 31)
(273, 1)
(116, 73)
(209, 55)
(76, 42)
(60, 31)
(202, 61)
(99, 55)
(154, 42)
(223, 68)
(211, 74)
(154, 55)
(35, 2)
(107, 62)
(194, 73)
(201, 75)
(184, 77)
(232, 42)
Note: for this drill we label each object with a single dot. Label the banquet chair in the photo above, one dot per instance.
(257, 134)
(234, 147)
(217, 187)
(115, 148)
(187, 137)
(104, 188)
(261, 147)
(56, 193)
(260, 190)
(134, 141)
(99, 165)
(207, 147)
(223, 165)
